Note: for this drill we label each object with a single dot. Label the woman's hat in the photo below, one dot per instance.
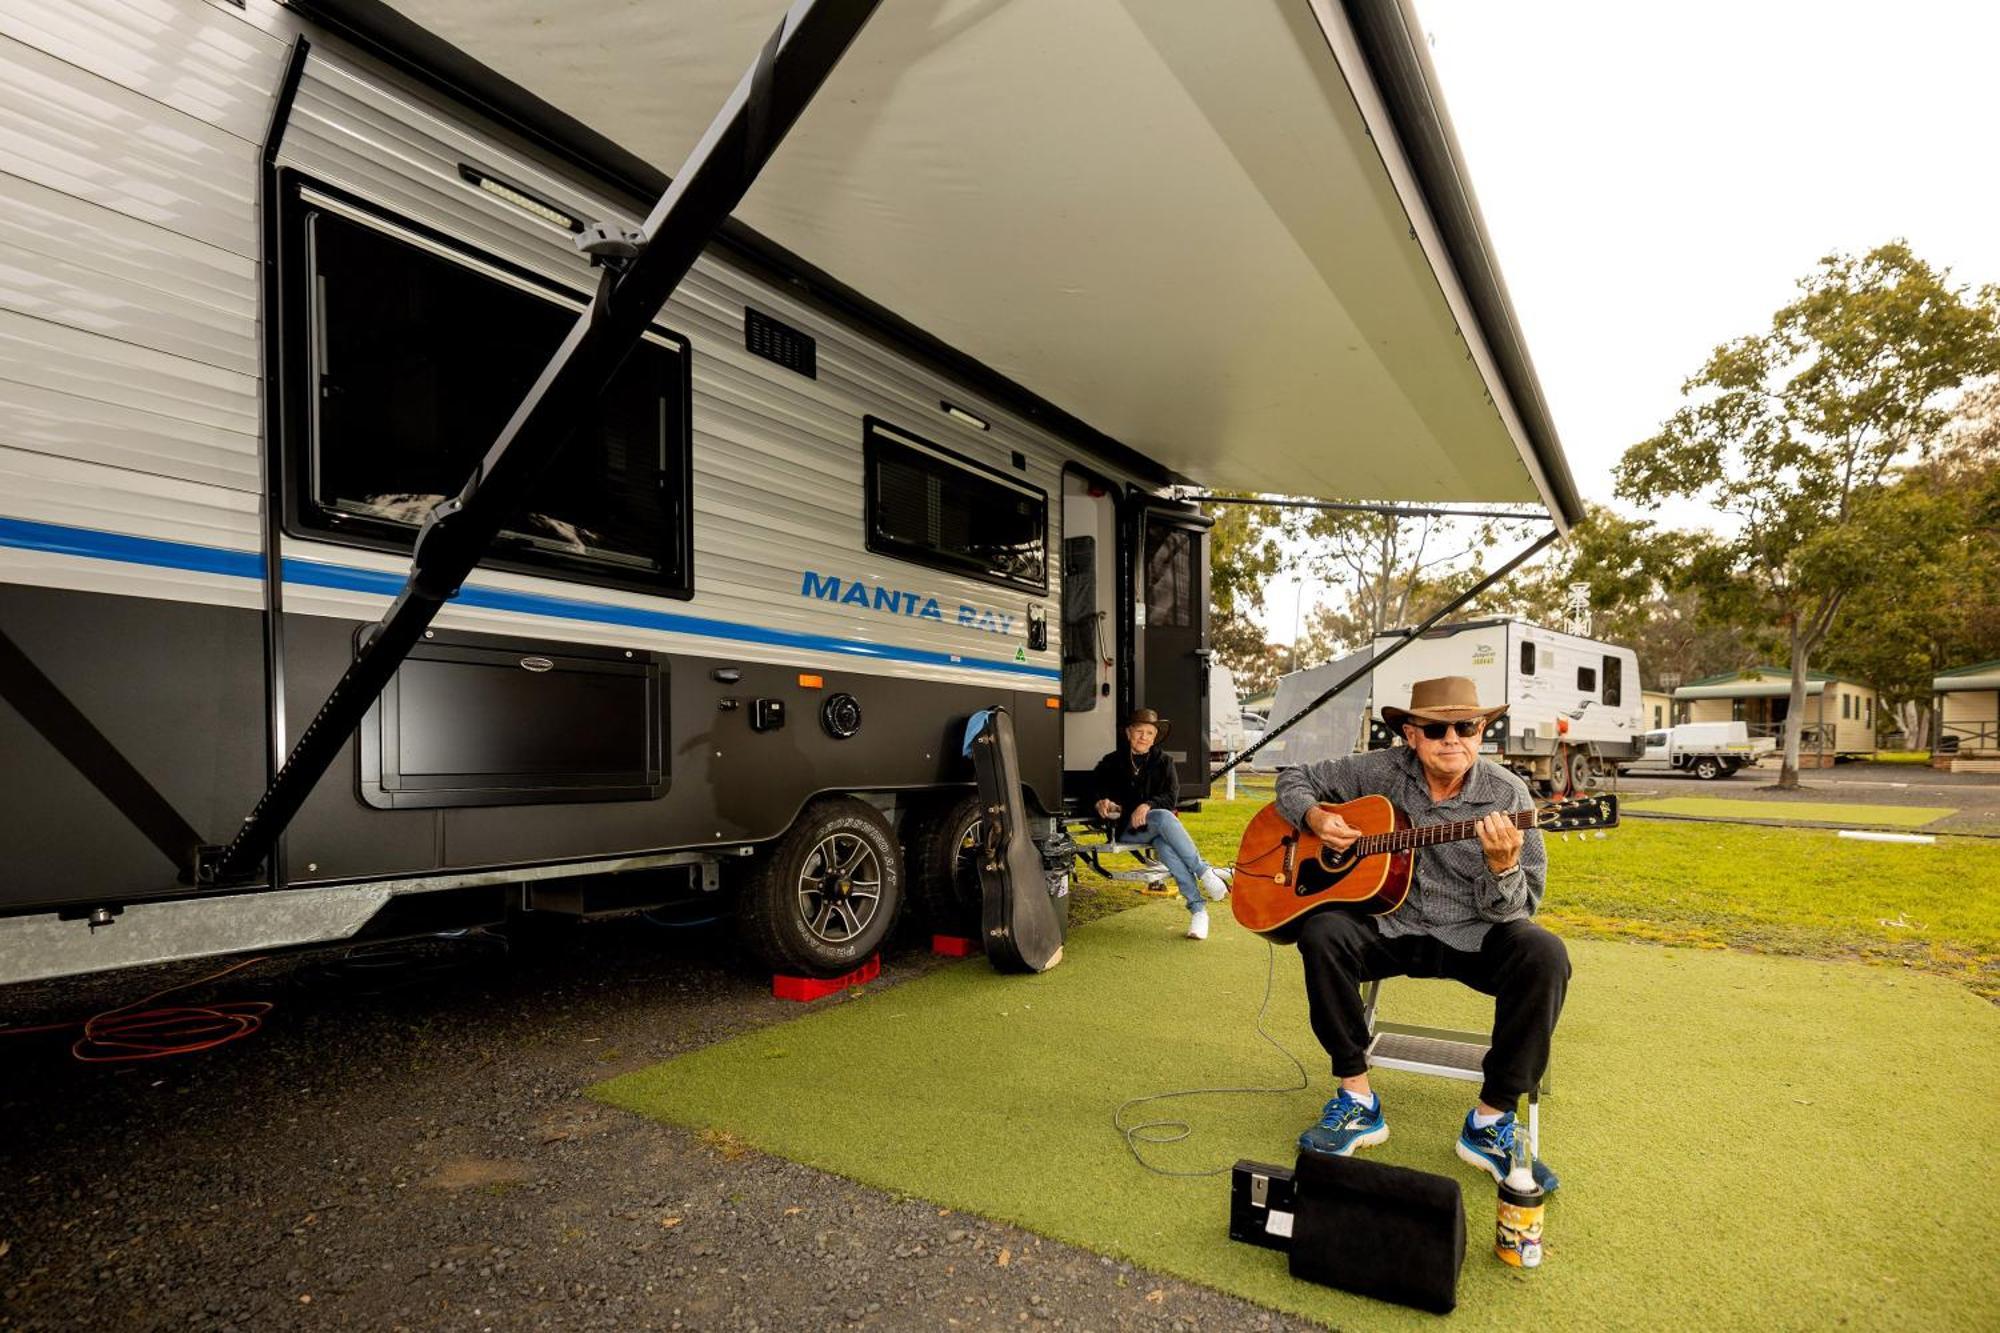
(1443, 699)
(1147, 717)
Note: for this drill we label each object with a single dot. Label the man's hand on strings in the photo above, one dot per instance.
(1330, 828)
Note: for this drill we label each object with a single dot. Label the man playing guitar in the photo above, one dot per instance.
(1466, 917)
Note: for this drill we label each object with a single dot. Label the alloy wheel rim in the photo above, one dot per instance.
(840, 888)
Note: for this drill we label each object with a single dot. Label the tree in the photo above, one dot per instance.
(1629, 567)
(1395, 570)
(1793, 433)
(1942, 608)
(1243, 554)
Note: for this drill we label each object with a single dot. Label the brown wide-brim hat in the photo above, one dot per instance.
(1443, 699)
(1147, 717)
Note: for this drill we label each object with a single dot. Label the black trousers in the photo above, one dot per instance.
(1522, 966)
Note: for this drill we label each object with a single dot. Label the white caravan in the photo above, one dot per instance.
(1573, 708)
(283, 276)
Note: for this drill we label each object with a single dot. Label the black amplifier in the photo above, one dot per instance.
(1260, 1204)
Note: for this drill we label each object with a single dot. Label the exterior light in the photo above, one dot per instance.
(520, 199)
(960, 414)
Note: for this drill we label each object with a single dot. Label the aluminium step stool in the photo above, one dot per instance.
(1442, 1053)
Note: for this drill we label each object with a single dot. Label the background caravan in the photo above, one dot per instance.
(293, 267)
(1573, 708)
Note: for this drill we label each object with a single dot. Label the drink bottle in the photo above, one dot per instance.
(1517, 1238)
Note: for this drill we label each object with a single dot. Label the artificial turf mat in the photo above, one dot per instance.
(1744, 1141)
(1816, 812)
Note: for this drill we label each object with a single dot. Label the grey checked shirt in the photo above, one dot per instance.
(1454, 898)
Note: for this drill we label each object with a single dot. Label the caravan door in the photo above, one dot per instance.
(1092, 638)
(1171, 611)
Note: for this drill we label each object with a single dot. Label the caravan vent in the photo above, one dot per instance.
(780, 343)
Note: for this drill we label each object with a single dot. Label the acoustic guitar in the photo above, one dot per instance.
(1282, 873)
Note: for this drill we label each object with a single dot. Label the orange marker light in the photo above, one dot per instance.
(1052, 703)
(810, 682)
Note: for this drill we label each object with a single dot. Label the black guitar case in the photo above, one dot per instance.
(1021, 921)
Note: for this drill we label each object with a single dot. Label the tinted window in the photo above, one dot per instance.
(926, 505)
(1614, 680)
(1586, 680)
(419, 356)
(1527, 659)
(1169, 577)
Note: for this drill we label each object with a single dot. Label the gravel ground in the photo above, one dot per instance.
(405, 1145)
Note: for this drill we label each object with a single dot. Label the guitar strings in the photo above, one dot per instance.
(1174, 1131)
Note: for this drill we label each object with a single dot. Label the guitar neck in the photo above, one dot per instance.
(1402, 840)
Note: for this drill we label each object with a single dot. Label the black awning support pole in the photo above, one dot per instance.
(1361, 507)
(1409, 637)
(803, 50)
(49, 711)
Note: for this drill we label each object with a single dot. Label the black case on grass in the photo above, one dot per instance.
(1377, 1230)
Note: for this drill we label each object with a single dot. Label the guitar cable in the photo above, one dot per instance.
(1174, 1131)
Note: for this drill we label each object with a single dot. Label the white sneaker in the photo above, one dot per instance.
(1198, 924)
(1213, 886)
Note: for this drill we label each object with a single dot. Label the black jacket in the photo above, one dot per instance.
(1152, 780)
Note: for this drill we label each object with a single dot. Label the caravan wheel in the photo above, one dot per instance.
(943, 845)
(823, 899)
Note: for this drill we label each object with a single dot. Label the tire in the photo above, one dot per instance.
(1582, 772)
(942, 854)
(1707, 768)
(825, 895)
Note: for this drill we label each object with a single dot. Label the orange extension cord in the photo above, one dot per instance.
(130, 1032)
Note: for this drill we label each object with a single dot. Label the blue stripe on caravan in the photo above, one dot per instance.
(131, 550)
(244, 564)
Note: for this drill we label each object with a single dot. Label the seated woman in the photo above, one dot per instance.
(1136, 789)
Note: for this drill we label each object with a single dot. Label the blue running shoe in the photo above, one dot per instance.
(1346, 1125)
(1492, 1148)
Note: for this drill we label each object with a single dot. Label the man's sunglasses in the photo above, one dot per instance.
(1434, 731)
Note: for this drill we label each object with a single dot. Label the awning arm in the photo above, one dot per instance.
(1410, 636)
(768, 100)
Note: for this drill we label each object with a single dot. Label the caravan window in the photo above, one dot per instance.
(405, 359)
(931, 506)
(1527, 658)
(1586, 680)
(1614, 672)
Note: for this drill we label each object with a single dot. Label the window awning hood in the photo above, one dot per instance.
(1233, 237)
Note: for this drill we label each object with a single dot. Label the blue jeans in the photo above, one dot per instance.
(1176, 851)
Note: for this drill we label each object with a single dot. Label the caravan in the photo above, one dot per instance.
(290, 274)
(1573, 708)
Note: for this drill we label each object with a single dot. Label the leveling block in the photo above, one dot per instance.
(818, 988)
(953, 946)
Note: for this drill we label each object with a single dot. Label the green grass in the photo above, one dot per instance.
(1811, 812)
(1902, 757)
(1803, 892)
(1707, 1117)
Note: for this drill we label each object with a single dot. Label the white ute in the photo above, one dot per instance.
(1706, 749)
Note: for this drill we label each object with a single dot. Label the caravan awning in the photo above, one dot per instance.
(1236, 238)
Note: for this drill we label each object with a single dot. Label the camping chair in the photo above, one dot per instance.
(1443, 1052)
(1150, 871)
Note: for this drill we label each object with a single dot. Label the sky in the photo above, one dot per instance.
(1655, 179)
